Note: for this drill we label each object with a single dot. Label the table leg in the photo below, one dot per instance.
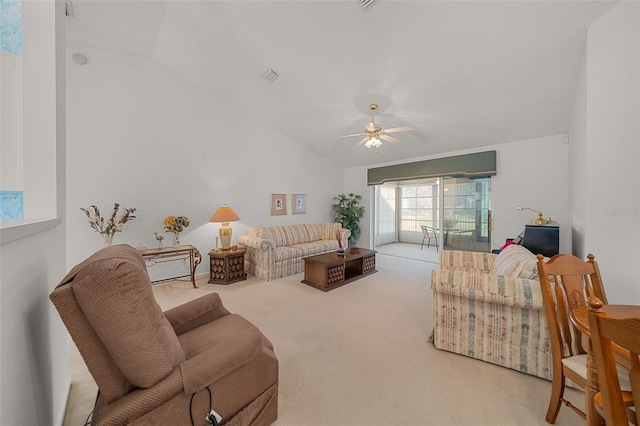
(591, 388)
(194, 260)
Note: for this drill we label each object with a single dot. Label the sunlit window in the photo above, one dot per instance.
(11, 26)
(419, 206)
(11, 195)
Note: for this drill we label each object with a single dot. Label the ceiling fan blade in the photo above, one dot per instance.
(370, 127)
(389, 138)
(349, 136)
(399, 129)
(362, 142)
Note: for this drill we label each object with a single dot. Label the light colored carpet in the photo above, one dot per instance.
(410, 251)
(358, 355)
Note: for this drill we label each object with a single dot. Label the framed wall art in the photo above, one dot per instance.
(298, 203)
(278, 204)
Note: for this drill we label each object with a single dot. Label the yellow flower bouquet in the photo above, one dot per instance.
(175, 223)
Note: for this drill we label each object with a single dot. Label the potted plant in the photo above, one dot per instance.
(347, 212)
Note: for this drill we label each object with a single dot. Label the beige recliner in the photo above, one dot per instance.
(163, 368)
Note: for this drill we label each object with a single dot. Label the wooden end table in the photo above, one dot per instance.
(226, 266)
(331, 270)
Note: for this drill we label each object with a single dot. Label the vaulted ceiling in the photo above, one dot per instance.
(464, 74)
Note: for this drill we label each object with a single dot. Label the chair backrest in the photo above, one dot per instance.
(566, 283)
(428, 231)
(108, 307)
(609, 328)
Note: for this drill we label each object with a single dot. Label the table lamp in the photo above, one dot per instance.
(537, 221)
(224, 215)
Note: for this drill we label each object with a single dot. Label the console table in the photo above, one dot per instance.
(331, 270)
(168, 254)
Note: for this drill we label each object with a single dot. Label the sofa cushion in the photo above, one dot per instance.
(315, 231)
(286, 235)
(332, 230)
(316, 247)
(515, 261)
(126, 316)
(467, 260)
(275, 234)
(297, 234)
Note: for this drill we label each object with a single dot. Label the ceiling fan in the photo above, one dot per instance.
(374, 134)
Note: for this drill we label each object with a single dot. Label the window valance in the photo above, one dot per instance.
(480, 164)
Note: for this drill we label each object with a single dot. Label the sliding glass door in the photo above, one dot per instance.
(457, 209)
(466, 212)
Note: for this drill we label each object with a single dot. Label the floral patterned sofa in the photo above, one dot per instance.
(489, 307)
(277, 251)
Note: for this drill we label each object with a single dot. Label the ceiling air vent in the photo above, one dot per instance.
(368, 4)
(270, 76)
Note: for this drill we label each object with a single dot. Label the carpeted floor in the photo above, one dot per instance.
(410, 251)
(358, 355)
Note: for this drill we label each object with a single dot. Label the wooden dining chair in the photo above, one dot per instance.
(427, 234)
(566, 283)
(613, 402)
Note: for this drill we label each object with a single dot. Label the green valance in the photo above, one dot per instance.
(480, 164)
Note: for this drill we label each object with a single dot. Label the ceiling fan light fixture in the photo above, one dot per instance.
(372, 133)
(373, 143)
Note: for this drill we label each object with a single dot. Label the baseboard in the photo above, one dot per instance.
(63, 409)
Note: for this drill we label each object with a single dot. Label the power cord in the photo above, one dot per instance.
(89, 419)
(211, 415)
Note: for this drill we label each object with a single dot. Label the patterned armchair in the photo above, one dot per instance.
(490, 307)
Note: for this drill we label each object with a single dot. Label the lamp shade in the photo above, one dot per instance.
(224, 214)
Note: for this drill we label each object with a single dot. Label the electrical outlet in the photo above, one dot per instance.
(505, 215)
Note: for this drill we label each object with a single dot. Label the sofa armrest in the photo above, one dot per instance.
(195, 313)
(467, 260)
(344, 236)
(255, 242)
(498, 289)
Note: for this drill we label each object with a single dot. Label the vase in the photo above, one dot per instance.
(107, 239)
(176, 239)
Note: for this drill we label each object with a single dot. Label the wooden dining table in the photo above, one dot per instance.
(580, 318)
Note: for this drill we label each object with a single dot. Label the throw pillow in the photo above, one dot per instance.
(515, 261)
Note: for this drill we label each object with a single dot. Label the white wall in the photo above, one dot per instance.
(578, 165)
(142, 135)
(531, 173)
(605, 133)
(34, 379)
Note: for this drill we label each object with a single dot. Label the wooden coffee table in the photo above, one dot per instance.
(331, 270)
